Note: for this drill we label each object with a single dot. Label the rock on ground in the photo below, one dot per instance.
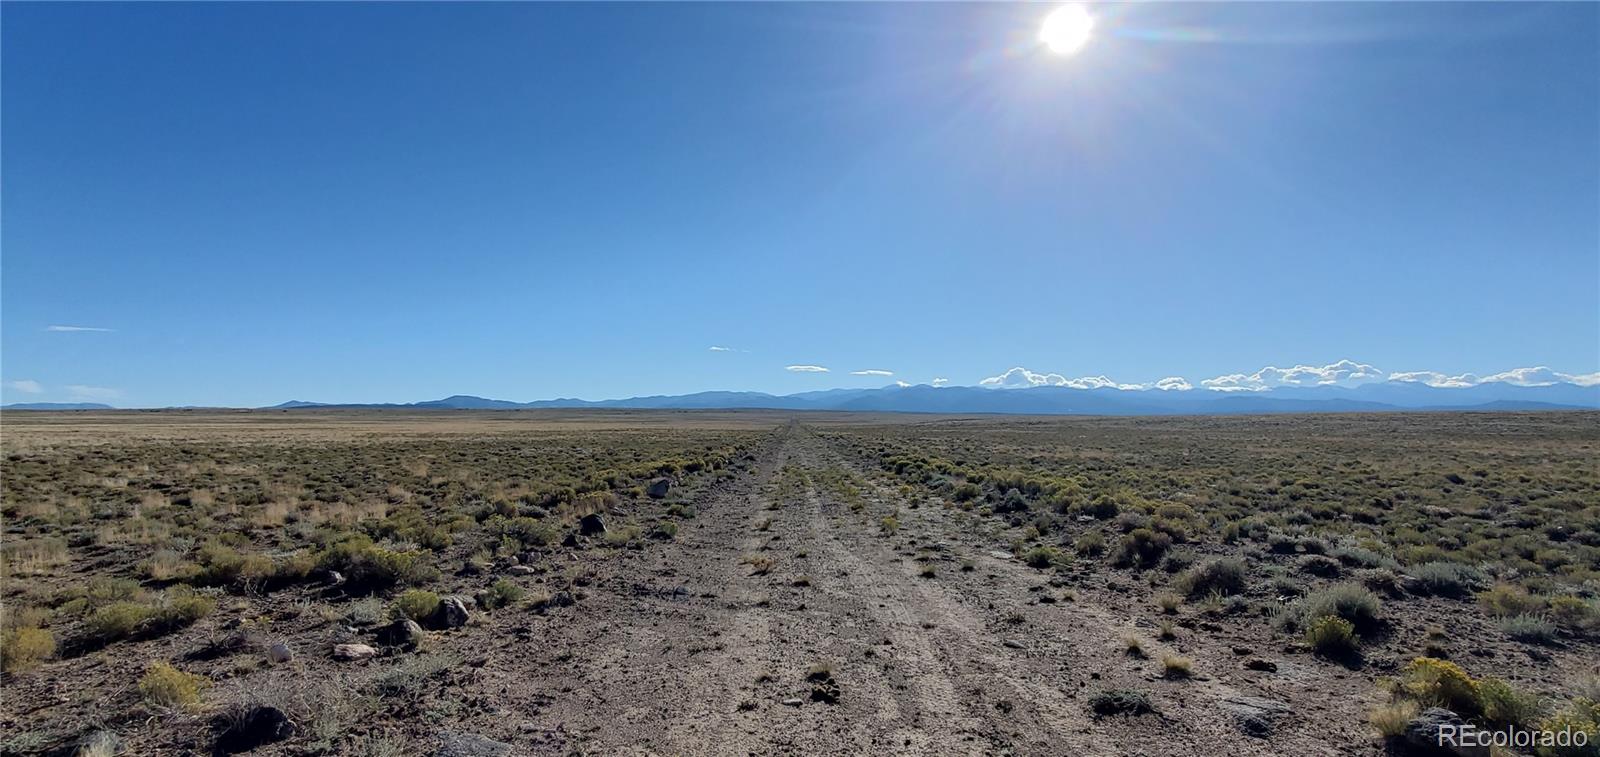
(350, 652)
(1422, 734)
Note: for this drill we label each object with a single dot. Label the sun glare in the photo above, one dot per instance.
(1066, 30)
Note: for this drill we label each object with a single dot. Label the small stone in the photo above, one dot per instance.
(452, 613)
(794, 702)
(521, 570)
(1242, 651)
(403, 633)
(591, 524)
(1257, 663)
(1423, 731)
(352, 652)
(279, 653)
(659, 488)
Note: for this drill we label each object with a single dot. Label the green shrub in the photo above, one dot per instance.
(1043, 557)
(1505, 705)
(368, 568)
(1445, 579)
(24, 648)
(1506, 600)
(1582, 715)
(118, 620)
(1532, 629)
(1224, 576)
(499, 594)
(532, 532)
(1350, 602)
(1432, 682)
(417, 604)
(1090, 544)
(1143, 547)
(166, 686)
(1574, 613)
(1332, 636)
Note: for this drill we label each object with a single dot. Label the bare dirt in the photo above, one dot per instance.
(682, 649)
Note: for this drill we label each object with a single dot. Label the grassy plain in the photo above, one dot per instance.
(763, 581)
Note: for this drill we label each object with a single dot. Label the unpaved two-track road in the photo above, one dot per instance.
(685, 648)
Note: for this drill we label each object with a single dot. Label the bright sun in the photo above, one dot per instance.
(1066, 30)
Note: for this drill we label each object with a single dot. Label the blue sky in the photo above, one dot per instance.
(397, 202)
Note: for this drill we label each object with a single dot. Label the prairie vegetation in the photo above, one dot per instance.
(329, 583)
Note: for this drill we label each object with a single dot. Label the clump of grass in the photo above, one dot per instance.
(1350, 602)
(1332, 636)
(889, 525)
(1043, 557)
(499, 594)
(1225, 576)
(1445, 579)
(1167, 631)
(1509, 600)
(1390, 720)
(364, 612)
(417, 604)
(1175, 667)
(166, 686)
(1506, 705)
(408, 678)
(1432, 682)
(1168, 602)
(1133, 646)
(968, 565)
(25, 647)
(1090, 544)
(1143, 547)
(1531, 629)
(927, 571)
(760, 565)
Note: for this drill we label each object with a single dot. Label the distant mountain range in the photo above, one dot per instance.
(1044, 400)
(56, 406)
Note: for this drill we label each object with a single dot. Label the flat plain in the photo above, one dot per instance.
(571, 582)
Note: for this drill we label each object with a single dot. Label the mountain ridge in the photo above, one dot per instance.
(1039, 400)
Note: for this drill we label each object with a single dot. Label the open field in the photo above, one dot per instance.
(387, 583)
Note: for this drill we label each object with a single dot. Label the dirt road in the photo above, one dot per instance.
(931, 640)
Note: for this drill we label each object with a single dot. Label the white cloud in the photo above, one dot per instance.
(1584, 379)
(1435, 378)
(25, 386)
(93, 393)
(806, 369)
(872, 372)
(1540, 376)
(715, 348)
(1537, 376)
(76, 328)
(940, 381)
(1020, 378)
(1343, 373)
(902, 384)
